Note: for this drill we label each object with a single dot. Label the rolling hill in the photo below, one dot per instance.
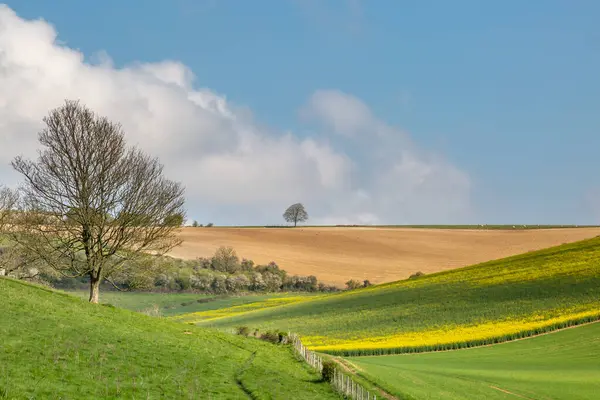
(486, 303)
(560, 365)
(54, 345)
(383, 254)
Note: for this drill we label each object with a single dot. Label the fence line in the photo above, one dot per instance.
(341, 382)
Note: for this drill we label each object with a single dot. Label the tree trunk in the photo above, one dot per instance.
(295, 223)
(94, 288)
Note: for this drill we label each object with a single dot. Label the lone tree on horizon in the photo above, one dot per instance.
(90, 203)
(295, 213)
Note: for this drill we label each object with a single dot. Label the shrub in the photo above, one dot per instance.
(202, 280)
(416, 275)
(243, 330)
(256, 282)
(270, 336)
(328, 370)
(272, 281)
(210, 224)
(282, 337)
(218, 284)
(183, 279)
(272, 267)
(303, 283)
(236, 283)
(247, 265)
(353, 284)
(203, 263)
(367, 283)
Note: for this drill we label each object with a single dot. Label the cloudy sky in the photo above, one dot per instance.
(367, 112)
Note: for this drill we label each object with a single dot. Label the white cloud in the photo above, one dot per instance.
(340, 112)
(235, 170)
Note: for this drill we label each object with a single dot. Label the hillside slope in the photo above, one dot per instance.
(560, 365)
(337, 254)
(501, 299)
(57, 346)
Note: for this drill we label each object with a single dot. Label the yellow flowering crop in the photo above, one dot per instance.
(447, 336)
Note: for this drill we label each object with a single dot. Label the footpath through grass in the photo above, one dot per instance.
(560, 365)
(494, 301)
(58, 346)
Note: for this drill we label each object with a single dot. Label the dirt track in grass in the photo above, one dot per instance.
(335, 255)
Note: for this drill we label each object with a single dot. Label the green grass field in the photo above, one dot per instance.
(168, 303)
(470, 306)
(230, 306)
(172, 304)
(560, 365)
(58, 346)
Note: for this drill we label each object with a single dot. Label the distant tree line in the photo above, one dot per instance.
(223, 273)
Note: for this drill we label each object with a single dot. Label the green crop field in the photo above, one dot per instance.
(560, 365)
(171, 304)
(54, 345)
(230, 306)
(494, 301)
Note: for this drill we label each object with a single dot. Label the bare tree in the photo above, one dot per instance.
(295, 213)
(90, 203)
(8, 200)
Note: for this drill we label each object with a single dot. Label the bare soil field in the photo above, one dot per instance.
(335, 255)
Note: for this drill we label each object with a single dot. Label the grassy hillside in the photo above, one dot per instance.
(493, 301)
(232, 306)
(560, 365)
(54, 345)
(167, 303)
(192, 304)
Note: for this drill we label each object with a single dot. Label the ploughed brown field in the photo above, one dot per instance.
(337, 254)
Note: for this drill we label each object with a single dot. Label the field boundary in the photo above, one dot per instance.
(468, 344)
(342, 382)
(425, 226)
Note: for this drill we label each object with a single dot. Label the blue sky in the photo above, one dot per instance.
(508, 92)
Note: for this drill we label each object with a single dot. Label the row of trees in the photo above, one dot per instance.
(222, 273)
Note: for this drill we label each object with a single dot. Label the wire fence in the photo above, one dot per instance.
(343, 383)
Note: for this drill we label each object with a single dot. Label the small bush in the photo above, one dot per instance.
(243, 330)
(328, 370)
(353, 284)
(283, 337)
(416, 275)
(209, 225)
(270, 336)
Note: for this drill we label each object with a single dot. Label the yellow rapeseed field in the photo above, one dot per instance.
(450, 335)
